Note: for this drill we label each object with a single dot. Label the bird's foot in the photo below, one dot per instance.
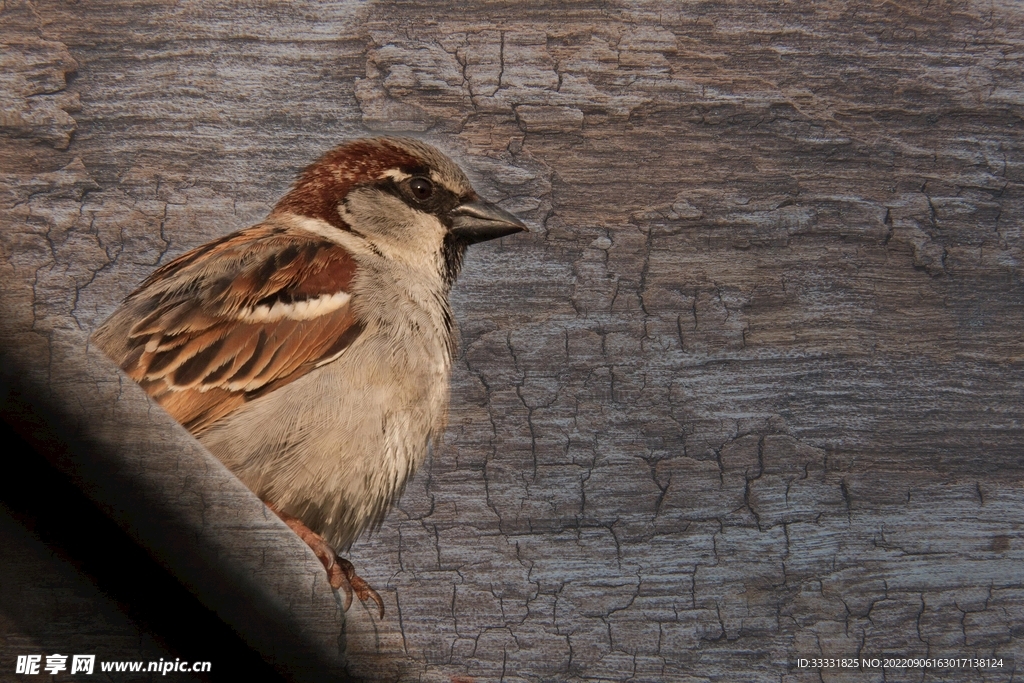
(340, 572)
(351, 582)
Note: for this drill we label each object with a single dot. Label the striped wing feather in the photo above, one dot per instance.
(236, 318)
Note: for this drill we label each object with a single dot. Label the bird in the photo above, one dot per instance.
(311, 353)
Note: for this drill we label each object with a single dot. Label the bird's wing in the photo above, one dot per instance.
(234, 319)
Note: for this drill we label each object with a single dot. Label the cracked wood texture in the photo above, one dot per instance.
(750, 391)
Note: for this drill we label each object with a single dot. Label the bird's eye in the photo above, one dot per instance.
(421, 189)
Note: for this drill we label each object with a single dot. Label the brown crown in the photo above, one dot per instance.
(325, 182)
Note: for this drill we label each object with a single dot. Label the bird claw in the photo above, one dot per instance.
(352, 582)
(340, 572)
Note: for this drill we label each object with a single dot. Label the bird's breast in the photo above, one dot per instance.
(336, 447)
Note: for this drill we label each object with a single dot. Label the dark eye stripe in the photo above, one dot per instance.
(440, 202)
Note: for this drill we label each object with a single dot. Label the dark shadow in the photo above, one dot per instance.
(74, 562)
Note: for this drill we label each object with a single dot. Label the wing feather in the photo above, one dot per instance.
(233, 319)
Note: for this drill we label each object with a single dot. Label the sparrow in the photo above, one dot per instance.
(311, 352)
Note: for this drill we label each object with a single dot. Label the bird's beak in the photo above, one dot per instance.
(479, 220)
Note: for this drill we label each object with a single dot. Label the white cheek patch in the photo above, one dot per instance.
(424, 251)
(297, 310)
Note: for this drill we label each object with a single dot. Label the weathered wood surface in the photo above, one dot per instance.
(751, 391)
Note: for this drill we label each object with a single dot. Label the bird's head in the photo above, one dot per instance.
(406, 198)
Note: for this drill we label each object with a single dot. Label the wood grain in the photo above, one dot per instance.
(750, 391)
